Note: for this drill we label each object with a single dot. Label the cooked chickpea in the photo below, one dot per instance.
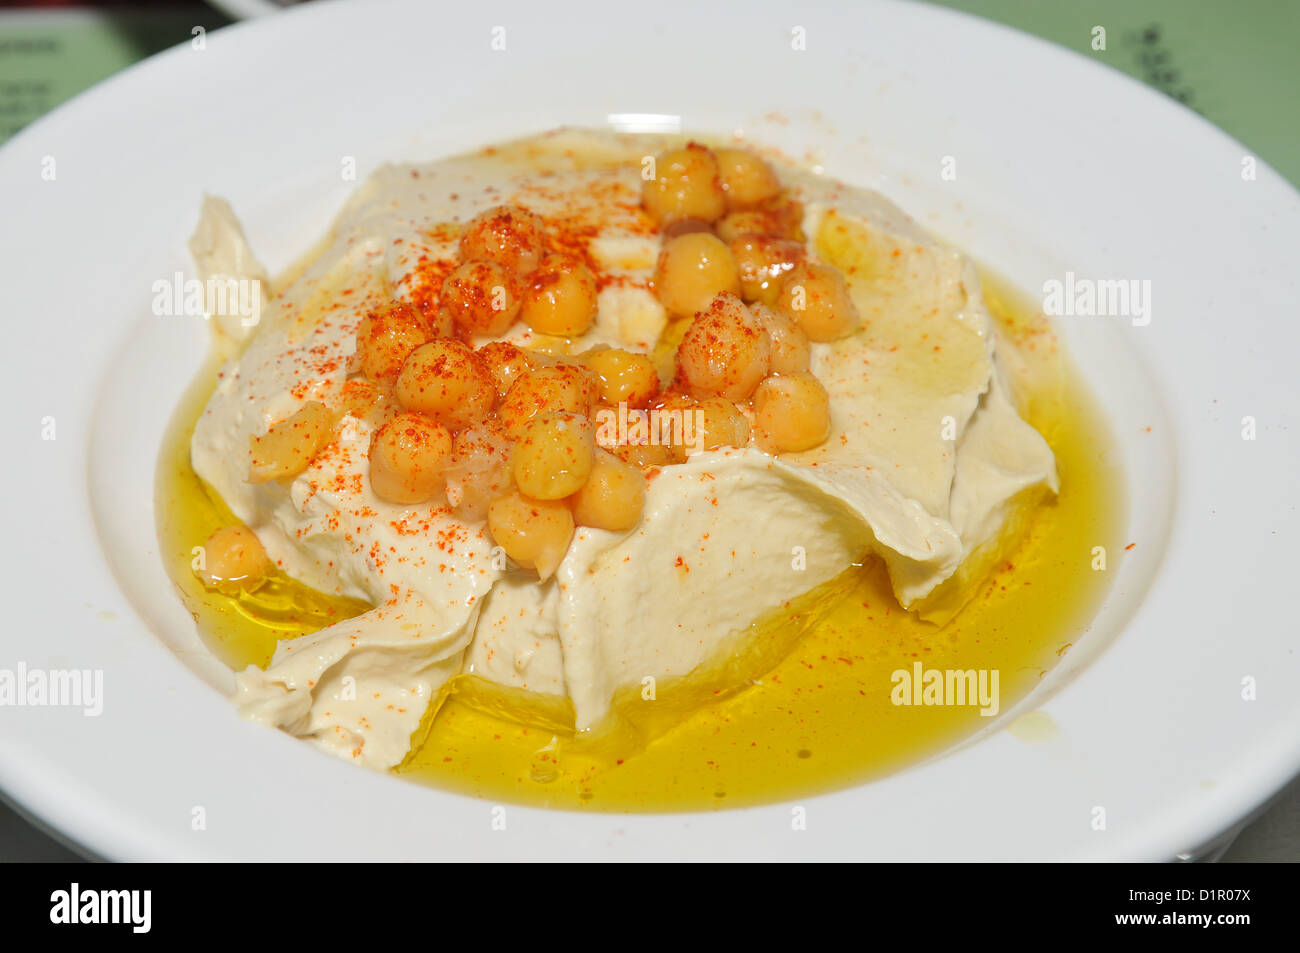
(366, 400)
(791, 413)
(763, 262)
(723, 424)
(691, 270)
(817, 298)
(448, 381)
(675, 400)
(482, 297)
(287, 448)
(563, 387)
(534, 533)
(747, 180)
(791, 352)
(687, 184)
(408, 457)
(506, 362)
(553, 456)
(613, 497)
(438, 319)
(781, 219)
(623, 377)
(675, 412)
(385, 337)
(739, 224)
(559, 297)
(507, 235)
(233, 559)
(725, 351)
(479, 471)
(647, 455)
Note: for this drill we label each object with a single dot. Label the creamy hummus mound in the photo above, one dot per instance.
(923, 461)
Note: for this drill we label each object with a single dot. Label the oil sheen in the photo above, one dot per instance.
(808, 704)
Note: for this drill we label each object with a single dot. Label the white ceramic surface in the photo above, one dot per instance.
(247, 9)
(1062, 165)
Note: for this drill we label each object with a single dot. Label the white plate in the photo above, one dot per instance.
(1062, 165)
(247, 9)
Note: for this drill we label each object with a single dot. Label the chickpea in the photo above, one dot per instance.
(762, 263)
(687, 184)
(645, 456)
(723, 424)
(366, 400)
(233, 559)
(507, 235)
(287, 448)
(781, 219)
(791, 413)
(613, 497)
(438, 319)
(622, 376)
(559, 297)
(739, 224)
(691, 270)
(791, 352)
(385, 337)
(747, 180)
(448, 381)
(482, 297)
(563, 387)
(408, 457)
(670, 408)
(817, 298)
(534, 533)
(553, 457)
(725, 351)
(507, 363)
(675, 400)
(479, 471)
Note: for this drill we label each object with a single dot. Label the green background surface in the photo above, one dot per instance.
(48, 56)
(1235, 63)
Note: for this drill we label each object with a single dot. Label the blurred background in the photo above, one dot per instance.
(1232, 61)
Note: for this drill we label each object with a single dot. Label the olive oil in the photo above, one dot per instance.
(823, 716)
(240, 630)
(808, 707)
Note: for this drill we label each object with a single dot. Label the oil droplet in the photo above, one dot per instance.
(107, 615)
(544, 770)
(1035, 727)
(804, 753)
(546, 764)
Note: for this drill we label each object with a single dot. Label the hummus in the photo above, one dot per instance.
(927, 459)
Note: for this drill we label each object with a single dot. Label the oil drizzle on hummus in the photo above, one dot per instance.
(814, 712)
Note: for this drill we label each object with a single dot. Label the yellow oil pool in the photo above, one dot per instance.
(816, 710)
